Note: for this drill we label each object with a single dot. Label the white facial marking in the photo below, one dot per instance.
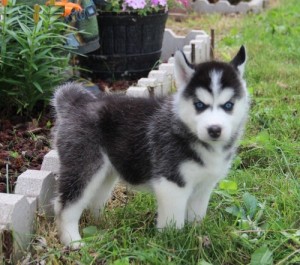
(215, 84)
(224, 96)
(204, 96)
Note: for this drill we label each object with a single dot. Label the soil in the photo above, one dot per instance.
(24, 142)
(114, 85)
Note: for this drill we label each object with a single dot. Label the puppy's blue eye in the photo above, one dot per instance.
(228, 106)
(200, 106)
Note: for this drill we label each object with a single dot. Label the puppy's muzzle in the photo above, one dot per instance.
(214, 131)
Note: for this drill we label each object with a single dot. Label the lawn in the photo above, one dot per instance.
(254, 216)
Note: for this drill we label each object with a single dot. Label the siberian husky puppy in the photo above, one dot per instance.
(179, 146)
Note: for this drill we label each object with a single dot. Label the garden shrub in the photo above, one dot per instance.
(34, 57)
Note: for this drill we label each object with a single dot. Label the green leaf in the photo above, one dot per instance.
(25, 29)
(251, 204)
(236, 211)
(14, 154)
(89, 231)
(228, 185)
(203, 262)
(244, 224)
(123, 261)
(262, 256)
(37, 85)
(251, 90)
(49, 124)
(39, 26)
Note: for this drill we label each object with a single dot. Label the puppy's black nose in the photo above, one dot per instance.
(214, 131)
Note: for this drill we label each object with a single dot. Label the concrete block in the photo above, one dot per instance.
(33, 204)
(51, 162)
(134, 91)
(200, 55)
(257, 6)
(150, 83)
(173, 42)
(224, 7)
(39, 184)
(16, 216)
(242, 7)
(187, 50)
(147, 82)
(169, 69)
(171, 60)
(164, 86)
(206, 43)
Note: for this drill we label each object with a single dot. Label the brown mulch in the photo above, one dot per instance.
(23, 144)
(114, 85)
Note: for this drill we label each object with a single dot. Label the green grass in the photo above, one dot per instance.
(258, 221)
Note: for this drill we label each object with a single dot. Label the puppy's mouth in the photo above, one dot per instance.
(216, 140)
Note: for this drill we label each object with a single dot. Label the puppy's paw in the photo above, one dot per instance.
(76, 245)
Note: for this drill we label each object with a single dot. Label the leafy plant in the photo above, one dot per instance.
(34, 57)
(249, 213)
(262, 256)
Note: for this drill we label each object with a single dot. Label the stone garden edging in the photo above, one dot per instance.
(224, 7)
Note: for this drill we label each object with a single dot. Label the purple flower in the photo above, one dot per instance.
(158, 2)
(135, 4)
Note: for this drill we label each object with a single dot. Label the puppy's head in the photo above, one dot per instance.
(212, 98)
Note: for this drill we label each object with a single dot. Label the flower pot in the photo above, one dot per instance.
(130, 45)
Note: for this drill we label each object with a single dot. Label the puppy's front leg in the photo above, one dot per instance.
(198, 202)
(172, 203)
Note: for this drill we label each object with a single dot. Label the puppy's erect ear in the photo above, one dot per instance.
(183, 70)
(239, 60)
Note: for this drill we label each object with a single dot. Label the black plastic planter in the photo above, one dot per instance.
(130, 45)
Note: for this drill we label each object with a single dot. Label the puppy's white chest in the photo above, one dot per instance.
(214, 168)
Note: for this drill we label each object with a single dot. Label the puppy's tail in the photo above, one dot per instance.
(71, 98)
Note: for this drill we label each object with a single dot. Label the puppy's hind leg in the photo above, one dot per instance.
(75, 194)
(103, 193)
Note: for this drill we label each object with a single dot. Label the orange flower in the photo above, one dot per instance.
(36, 14)
(4, 2)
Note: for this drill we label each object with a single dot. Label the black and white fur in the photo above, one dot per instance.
(179, 146)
